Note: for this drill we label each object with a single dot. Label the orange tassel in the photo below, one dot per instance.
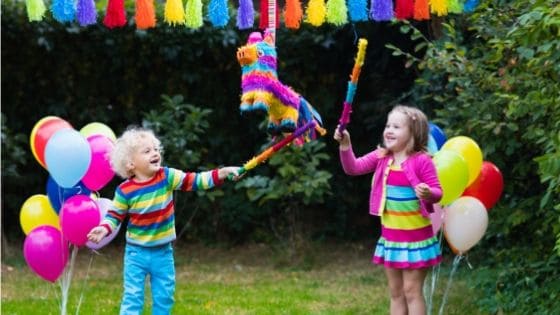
(293, 14)
(421, 10)
(145, 14)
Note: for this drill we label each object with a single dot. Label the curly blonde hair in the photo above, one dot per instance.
(126, 145)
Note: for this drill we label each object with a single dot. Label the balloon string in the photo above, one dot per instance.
(66, 279)
(456, 262)
(84, 282)
(435, 275)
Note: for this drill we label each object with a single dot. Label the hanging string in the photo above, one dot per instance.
(84, 282)
(456, 262)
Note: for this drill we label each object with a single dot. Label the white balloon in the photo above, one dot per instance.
(465, 222)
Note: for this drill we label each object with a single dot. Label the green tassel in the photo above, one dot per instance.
(337, 12)
(35, 10)
(193, 14)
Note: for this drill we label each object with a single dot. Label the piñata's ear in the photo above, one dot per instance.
(269, 37)
(254, 37)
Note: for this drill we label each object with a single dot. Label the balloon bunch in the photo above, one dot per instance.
(78, 164)
(471, 187)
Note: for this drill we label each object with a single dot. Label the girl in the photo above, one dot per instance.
(404, 188)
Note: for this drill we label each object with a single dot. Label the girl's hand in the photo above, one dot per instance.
(225, 172)
(423, 191)
(97, 234)
(342, 138)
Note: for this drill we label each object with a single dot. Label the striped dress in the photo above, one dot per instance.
(407, 240)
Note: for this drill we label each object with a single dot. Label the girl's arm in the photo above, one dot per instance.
(358, 166)
(428, 175)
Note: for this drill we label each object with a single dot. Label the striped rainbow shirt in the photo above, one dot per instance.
(150, 207)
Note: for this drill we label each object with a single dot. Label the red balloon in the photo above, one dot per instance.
(41, 134)
(488, 186)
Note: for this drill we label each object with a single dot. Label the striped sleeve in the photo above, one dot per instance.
(118, 211)
(193, 181)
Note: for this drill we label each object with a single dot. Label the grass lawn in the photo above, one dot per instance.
(254, 279)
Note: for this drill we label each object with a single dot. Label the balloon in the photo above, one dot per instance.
(67, 156)
(437, 134)
(470, 151)
(99, 172)
(437, 217)
(488, 186)
(465, 223)
(46, 252)
(78, 216)
(452, 173)
(104, 206)
(432, 146)
(97, 128)
(57, 195)
(37, 211)
(42, 132)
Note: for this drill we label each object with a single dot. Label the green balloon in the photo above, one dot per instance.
(453, 174)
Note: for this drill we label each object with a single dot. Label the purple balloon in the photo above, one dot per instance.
(79, 214)
(46, 252)
(104, 206)
(99, 172)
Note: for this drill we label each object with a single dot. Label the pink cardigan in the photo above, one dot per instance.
(418, 168)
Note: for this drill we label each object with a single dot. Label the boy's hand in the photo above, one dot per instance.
(422, 191)
(97, 234)
(230, 172)
(342, 138)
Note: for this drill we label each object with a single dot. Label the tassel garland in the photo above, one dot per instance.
(293, 14)
(381, 10)
(454, 6)
(470, 5)
(245, 14)
(193, 14)
(63, 10)
(404, 9)
(218, 13)
(337, 12)
(174, 14)
(86, 13)
(145, 14)
(316, 12)
(438, 7)
(421, 10)
(35, 10)
(357, 9)
(115, 16)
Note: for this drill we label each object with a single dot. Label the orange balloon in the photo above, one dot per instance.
(42, 132)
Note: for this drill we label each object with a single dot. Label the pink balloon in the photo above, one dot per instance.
(46, 252)
(104, 206)
(78, 215)
(99, 172)
(437, 217)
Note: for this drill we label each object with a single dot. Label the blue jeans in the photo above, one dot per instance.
(157, 262)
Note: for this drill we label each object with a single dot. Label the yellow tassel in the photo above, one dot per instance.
(174, 12)
(316, 12)
(438, 7)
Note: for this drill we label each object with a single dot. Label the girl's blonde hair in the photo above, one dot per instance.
(126, 145)
(418, 126)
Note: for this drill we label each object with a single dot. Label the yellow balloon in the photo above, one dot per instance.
(452, 173)
(471, 153)
(37, 211)
(97, 128)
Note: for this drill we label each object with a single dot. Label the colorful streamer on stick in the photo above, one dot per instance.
(352, 85)
(266, 154)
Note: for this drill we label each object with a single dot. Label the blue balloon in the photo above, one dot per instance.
(438, 134)
(432, 146)
(58, 195)
(67, 156)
